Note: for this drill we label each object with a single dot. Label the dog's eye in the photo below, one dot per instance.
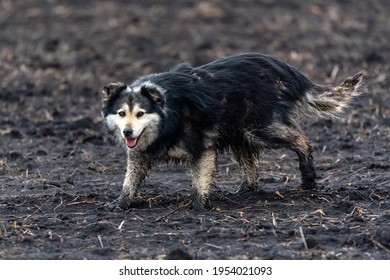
(122, 114)
(140, 114)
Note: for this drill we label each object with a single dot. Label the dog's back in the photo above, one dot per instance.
(256, 90)
(254, 100)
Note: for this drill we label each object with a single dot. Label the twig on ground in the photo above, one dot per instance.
(274, 220)
(100, 241)
(214, 246)
(59, 205)
(376, 243)
(324, 198)
(353, 173)
(353, 211)
(52, 183)
(303, 238)
(383, 183)
(173, 211)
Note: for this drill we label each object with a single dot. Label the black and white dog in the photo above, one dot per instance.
(243, 103)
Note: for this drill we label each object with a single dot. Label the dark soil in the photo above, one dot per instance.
(58, 169)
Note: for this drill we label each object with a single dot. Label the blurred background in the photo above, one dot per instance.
(72, 46)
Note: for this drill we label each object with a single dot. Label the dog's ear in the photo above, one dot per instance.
(153, 93)
(111, 90)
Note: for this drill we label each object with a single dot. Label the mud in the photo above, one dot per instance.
(57, 168)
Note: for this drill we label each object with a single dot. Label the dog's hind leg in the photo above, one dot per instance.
(306, 165)
(250, 172)
(202, 176)
(294, 139)
(303, 149)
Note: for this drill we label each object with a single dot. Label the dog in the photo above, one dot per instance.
(243, 104)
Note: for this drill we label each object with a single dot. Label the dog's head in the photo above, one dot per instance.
(132, 114)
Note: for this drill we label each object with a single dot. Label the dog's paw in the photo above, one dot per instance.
(123, 202)
(111, 206)
(200, 203)
(245, 187)
(309, 185)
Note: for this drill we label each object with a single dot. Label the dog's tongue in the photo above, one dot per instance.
(131, 142)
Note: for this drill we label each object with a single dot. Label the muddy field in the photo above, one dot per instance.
(57, 169)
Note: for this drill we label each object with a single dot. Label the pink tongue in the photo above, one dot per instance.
(132, 142)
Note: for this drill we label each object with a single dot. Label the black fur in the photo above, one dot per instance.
(242, 103)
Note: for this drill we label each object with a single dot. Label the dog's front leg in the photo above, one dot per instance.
(137, 169)
(202, 177)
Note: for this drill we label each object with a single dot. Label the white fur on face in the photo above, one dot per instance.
(147, 124)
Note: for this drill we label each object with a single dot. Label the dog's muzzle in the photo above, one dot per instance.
(130, 140)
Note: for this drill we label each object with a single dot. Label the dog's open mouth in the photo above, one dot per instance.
(131, 142)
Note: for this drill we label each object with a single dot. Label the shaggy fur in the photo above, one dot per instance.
(244, 103)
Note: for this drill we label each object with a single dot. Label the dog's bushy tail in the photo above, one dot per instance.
(329, 101)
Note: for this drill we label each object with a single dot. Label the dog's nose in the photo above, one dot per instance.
(128, 132)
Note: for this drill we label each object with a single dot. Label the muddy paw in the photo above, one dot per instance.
(121, 203)
(124, 202)
(111, 206)
(246, 187)
(200, 203)
(309, 185)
